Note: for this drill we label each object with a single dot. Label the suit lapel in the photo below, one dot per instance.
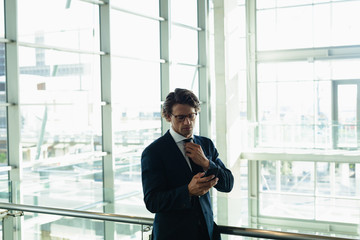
(174, 150)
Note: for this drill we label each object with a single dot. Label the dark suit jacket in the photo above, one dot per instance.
(165, 179)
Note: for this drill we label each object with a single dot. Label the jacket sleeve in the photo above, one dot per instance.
(157, 196)
(226, 179)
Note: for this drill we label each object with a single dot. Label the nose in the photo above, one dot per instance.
(187, 121)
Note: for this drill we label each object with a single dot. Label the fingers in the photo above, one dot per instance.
(201, 185)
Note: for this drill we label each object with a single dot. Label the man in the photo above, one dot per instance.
(173, 167)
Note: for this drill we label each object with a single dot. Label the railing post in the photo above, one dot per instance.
(10, 228)
(146, 231)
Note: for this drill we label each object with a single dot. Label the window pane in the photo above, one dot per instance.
(338, 210)
(323, 118)
(184, 45)
(147, 7)
(184, 11)
(2, 22)
(260, 4)
(347, 116)
(138, 39)
(2, 73)
(286, 176)
(134, 81)
(58, 77)
(346, 20)
(60, 104)
(322, 25)
(74, 182)
(184, 77)
(3, 139)
(71, 24)
(136, 114)
(288, 206)
(266, 36)
(282, 26)
(345, 69)
(286, 117)
(291, 28)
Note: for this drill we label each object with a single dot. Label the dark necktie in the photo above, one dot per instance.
(194, 167)
(195, 200)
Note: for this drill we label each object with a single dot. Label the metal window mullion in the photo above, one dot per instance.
(358, 114)
(204, 80)
(165, 31)
(13, 115)
(13, 98)
(254, 170)
(107, 123)
(136, 14)
(251, 67)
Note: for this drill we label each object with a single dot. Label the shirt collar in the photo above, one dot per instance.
(177, 137)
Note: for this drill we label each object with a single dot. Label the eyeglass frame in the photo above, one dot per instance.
(181, 118)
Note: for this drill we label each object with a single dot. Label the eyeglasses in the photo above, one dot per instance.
(181, 118)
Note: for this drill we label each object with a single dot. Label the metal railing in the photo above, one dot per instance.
(229, 230)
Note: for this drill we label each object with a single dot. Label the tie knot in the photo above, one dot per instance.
(187, 140)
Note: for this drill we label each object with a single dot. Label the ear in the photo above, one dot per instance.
(168, 118)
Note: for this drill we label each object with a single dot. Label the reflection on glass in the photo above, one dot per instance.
(134, 36)
(184, 11)
(184, 45)
(147, 7)
(70, 24)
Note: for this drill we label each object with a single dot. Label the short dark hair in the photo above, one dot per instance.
(179, 96)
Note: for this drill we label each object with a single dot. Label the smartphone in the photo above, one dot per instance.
(211, 171)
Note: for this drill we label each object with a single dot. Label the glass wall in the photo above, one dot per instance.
(135, 82)
(74, 60)
(307, 112)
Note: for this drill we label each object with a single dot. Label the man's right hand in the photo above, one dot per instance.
(200, 185)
